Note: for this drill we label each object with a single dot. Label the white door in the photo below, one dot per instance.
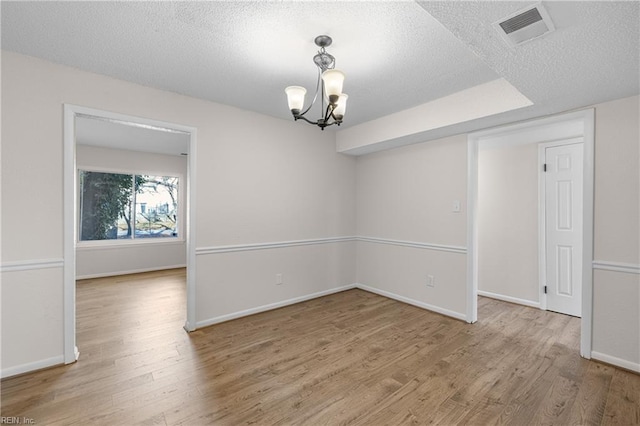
(563, 230)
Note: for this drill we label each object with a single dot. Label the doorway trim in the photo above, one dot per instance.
(71, 112)
(579, 124)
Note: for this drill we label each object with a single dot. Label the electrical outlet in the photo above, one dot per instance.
(430, 281)
(278, 279)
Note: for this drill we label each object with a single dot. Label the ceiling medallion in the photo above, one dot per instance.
(329, 82)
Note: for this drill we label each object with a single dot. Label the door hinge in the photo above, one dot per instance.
(545, 289)
(544, 167)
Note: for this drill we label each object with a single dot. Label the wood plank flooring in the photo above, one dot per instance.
(349, 358)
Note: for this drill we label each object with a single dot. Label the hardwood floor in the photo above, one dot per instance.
(349, 358)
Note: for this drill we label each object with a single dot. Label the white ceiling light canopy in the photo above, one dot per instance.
(525, 25)
(330, 82)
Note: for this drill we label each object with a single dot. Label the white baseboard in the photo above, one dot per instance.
(618, 362)
(510, 299)
(134, 271)
(32, 366)
(188, 327)
(276, 305)
(423, 305)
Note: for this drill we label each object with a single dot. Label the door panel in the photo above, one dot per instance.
(564, 197)
(565, 283)
(563, 223)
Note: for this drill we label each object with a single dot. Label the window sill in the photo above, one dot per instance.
(120, 244)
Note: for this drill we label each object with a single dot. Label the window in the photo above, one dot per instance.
(127, 206)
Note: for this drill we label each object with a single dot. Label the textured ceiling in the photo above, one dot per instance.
(396, 54)
(591, 57)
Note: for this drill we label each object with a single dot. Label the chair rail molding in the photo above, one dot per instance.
(327, 240)
(31, 264)
(629, 268)
(270, 245)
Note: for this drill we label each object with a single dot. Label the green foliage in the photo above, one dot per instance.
(105, 197)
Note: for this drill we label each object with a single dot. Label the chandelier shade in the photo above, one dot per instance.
(329, 84)
(333, 81)
(341, 106)
(295, 97)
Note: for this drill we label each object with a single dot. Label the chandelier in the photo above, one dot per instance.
(329, 82)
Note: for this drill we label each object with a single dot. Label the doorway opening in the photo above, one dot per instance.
(562, 130)
(101, 136)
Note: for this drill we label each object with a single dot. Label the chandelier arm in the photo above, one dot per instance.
(300, 117)
(328, 113)
(314, 96)
(330, 124)
(321, 94)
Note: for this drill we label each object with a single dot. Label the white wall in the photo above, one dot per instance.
(508, 222)
(260, 180)
(616, 298)
(264, 180)
(401, 190)
(406, 195)
(129, 257)
(307, 271)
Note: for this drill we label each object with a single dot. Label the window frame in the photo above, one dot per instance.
(88, 244)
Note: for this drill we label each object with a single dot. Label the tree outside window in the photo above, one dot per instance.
(127, 206)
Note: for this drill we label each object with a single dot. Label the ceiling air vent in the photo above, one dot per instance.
(525, 25)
